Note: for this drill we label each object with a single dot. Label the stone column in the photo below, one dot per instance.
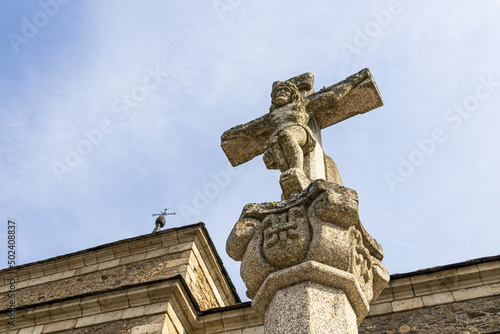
(308, 263)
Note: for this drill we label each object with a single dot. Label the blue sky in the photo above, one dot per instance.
(112, 111)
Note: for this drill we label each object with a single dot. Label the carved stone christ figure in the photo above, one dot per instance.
(290, 137)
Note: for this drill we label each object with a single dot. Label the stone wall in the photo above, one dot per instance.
(473, 316)
(456, 298)
(120, 284)
(173, 282)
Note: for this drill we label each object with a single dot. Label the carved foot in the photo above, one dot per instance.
(293, 181)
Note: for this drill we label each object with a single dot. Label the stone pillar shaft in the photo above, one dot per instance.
(310, 307)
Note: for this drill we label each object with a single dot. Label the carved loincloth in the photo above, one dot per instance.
(306, 148)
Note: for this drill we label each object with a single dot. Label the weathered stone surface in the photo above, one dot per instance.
(309, 307)
(182, 251)
(314, 237)
(473, 316)
(142, 325)
(290, 137)
(146, 270)
(311, 271)
(272, 236)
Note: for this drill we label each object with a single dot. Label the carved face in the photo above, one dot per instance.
(283, 96)
(284, 93)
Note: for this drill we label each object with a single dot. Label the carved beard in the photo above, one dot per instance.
(281, 100)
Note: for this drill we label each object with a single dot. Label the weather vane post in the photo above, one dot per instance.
(161, 221)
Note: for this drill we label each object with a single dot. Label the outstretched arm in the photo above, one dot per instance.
(355, 95)
(329, 96)
(338, 91)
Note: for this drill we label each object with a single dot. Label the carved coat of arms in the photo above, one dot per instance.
(286, 237)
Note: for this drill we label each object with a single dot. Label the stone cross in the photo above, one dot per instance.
(289, 135)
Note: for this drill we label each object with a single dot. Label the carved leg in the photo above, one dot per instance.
(291, 140)
(277, 152)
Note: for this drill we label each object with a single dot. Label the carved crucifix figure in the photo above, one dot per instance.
(289, 135)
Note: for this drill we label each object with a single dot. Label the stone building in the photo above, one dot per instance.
(173, 281)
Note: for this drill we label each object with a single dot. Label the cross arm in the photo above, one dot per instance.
(244, 142)
(329, 109)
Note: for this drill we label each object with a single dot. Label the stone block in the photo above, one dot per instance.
(489, 272)
(36, 271)
(22, 274)
(471, 293)
(442, 281)
(19, 285)
(495, 289)
(104, 255)
(68, 273)
(250, 317)
(41, 313)
(59, 326)
(213, 323)
(187, 235)
(90, 305)
(56, 276)
(180, 247)
(109, 264)
(232, 319)
(254, 330)
(156, 308)
(132, 258)
(76, 261)
(120, 250)
(401, 288)
(385, 296)
(174, 319)
(115, 301)
(87, 269)
(62, 264)
(156, 253)
(89, 258)
(134, 312)
(65, 310)
(153, 243)
(156, 328)
(407, 304)
(31, 330)
(438, 299)
(49, 269)
(469, 277)
(381, 308)
(99, 318)
(169, 239)
(138, 296)
(39, 280)
(136, 246)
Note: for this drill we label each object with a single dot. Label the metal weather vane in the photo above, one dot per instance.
(161, 221)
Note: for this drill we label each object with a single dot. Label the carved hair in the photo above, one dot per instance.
(295, 96)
